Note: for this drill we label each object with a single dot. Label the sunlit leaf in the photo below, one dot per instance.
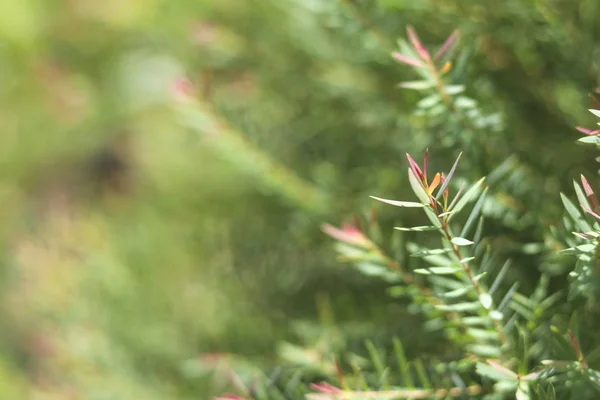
(595, 112)
(416, 228)
(454, 89)
(448, 178)
(424, 253)
(437, 270)
(459, 241)
(486, 300)
(417, 85)
(447, 44)
(396, 203)
(407, 60)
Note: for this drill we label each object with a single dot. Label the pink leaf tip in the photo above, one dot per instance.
(407, 60)
(447, 44)
(349, 234)
(415, 168)
(414, 39)
(326, 388)
(183, 89)
(586, 131)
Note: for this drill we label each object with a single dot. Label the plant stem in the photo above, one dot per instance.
(478, 289)
(399, 394)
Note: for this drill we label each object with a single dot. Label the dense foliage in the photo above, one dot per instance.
(167, 167)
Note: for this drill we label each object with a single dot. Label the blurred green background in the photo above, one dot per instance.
(142, 230)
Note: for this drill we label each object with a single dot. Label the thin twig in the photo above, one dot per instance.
(478, 289)
(398, 394)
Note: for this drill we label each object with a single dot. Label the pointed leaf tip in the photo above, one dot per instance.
(448, 178)
(589, 193)
(595, 215)
(415, 168)
(416, 42)
(588, 132)
(399, 203)
(407, 60)
(447, 44)
(595, 112)
(348, 234)
(459, 241)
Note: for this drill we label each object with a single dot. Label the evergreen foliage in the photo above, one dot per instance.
(166, 167)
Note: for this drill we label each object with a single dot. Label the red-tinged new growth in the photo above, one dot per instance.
(589, 194)
(408, 60)
(349, 234)
(417, 170)
(577, 349)
(592, 199)
(229, 397)
(447, 44)
(423, 53)
(183, 89)
(326, 388)
(438, 180)
(416, 42)
(588, 132)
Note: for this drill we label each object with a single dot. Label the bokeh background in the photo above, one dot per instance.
(143, 231)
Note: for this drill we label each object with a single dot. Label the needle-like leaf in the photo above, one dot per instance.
(448, 178)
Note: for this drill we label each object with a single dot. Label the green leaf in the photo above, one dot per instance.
(459, 307)
(467, 197)
(403, 365)
(466, 260)
(416, 228)
(417, 188)
(437, 270)
(459, 241)
(456, 292)
(454, 89)
(377, 361)
(399, 203)
(448, 177)
(590, 139)
(486, 300)
(496, 315)
(465, 102)
(485, 350)
(417, 85)
(474, 214)
(498, 280)
(482, 334)
(581, 198)
(475, 321)
(424, 253)
(587, 248)
(447, 283)
(370, 269)
(420, 369)
(575, 214)
(495, 372)
(429, 101)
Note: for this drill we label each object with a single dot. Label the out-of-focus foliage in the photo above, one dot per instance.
(143, 233)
